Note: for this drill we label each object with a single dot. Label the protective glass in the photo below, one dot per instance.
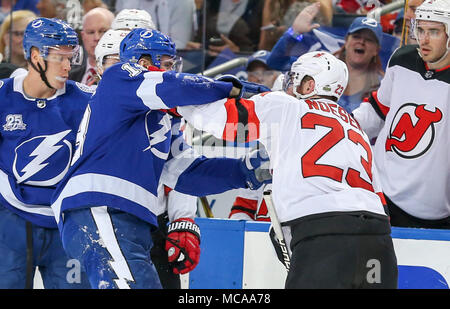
(173, 64)
(110, 60)
(432, 33)
(57, 54)
(288, 80)
(262, 74)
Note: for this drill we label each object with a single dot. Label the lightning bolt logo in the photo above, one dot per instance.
(42, 152)
(123, 273)
(159, 136)
(107, 238)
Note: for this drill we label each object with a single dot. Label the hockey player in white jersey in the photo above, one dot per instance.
(40, 113)
(325, 188)
(409, 115)
(106, 206)
(107, 49)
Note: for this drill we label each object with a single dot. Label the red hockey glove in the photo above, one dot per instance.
(183, 245)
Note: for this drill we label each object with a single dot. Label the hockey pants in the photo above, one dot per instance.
(25, 246)
(112, 246)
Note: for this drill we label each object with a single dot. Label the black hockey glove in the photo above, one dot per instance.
(247, 89)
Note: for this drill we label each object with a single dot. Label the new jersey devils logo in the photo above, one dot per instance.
(412, 130)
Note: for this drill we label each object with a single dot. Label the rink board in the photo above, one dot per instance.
(239, 255)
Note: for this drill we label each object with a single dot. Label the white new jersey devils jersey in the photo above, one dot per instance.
(410, 115)
(321, 159)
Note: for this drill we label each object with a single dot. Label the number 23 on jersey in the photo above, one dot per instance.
(337, 134)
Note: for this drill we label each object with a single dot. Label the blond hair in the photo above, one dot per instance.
(6, 25)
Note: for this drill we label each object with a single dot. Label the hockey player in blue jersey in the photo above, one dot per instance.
(106, 205)
(40, 112)
(107, 54)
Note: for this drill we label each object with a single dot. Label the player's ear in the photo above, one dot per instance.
(145, 61)
(307, 86)
(35, 55)
(312, 85)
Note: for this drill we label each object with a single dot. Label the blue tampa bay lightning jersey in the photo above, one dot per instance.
(126, 142)
(37, 140)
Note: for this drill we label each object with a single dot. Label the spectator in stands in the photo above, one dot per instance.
(237, 23)
(361, 7)
(52, 8)
(230, 24)
(277, 16)
(411, 10)
(408, 15)
(7, 5)
(92, 4)
(5, 8)
(69, 11)
(11, 39)
(95, 23)
(360, 52)
(258, 71)
(173, 18)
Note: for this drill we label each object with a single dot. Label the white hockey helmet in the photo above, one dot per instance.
(329, 73)
(437, 11)
(109, 44)
(128, 19)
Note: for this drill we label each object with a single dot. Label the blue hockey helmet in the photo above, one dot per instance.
(44, 33)
(141, 41)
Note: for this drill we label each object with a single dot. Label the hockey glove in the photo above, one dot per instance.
(247, 89)
(250, 89)
(236, 92)
(255, 165)
(183, 245)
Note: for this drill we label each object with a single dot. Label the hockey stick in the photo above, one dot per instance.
(30, 272)
(277, 228)
(405, 27)
(206, 208)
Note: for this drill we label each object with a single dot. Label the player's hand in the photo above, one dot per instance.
(183, 245)
(256, 167)
(242, 88)
(250, 89)
(236, 91)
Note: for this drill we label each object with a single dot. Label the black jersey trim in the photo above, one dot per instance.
(408, 57)
(376, 107)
